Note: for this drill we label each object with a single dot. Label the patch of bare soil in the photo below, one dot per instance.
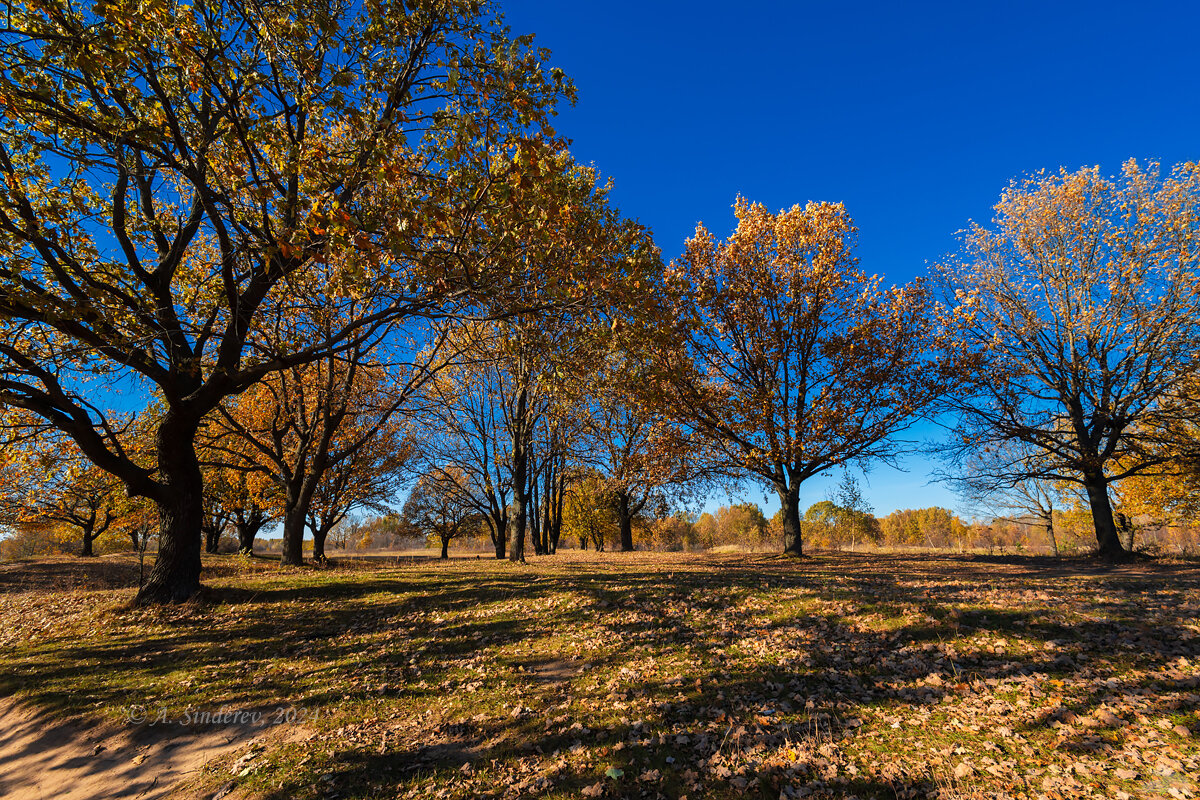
(47, 757)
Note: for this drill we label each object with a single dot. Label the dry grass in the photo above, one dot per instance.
(647, 675)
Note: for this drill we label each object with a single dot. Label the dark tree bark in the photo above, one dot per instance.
(1125, 531)
(624, 522)
(1102, 517)
(445, 548)
(295, 515)
(175, 575)
(319, 537)
(547, 509)
(293, 538)
(627, 508)
(248, 524)
(520, 481)
(789, 502)
(535, 514)
(92, 530)
(560, 493)
(499, 531)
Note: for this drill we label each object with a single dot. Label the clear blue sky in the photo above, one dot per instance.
(915, 115)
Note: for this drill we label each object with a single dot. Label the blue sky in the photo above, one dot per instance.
(915, 115)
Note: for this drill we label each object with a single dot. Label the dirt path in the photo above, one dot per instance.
(44, 757)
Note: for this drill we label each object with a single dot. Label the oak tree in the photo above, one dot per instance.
(786, 359)
(437, 505)
(1079, 313)
(167, 170)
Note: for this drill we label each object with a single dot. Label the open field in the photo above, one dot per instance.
(611, 675)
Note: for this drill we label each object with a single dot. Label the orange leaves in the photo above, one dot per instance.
(1078, 317)
(792, 361)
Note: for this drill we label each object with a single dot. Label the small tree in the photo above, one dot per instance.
(589, 511)
(51, 482)
(438, 506)
(1027, 497)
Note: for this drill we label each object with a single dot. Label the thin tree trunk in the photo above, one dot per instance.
(547, 506)
(560, 493)
(1048, 521)
(520, 483)
(535, 514)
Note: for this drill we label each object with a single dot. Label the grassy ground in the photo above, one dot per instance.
(643, 675)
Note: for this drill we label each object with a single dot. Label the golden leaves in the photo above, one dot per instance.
(800, 359)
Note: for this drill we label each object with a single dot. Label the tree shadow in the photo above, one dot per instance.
(787, 658)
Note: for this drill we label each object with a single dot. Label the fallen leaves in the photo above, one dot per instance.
(836, 673)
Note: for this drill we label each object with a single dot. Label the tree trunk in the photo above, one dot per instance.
(547, 510)
(175, 575)
(246, 532)
(319, 533)
(520, 483)
(212, 539)
(535, 514)
(1102, 517)
(789, 503)
(1125, 531)
(293, 539)
(625, 522)
(445, 548)
(1048, 521)
(295, 516)
(560, 493)
(517, 553)
(499, 535)
(292, 553)
(88, 538)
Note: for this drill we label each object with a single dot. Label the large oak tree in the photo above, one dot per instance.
(167, 169)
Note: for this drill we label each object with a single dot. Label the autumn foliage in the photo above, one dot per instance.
(288, 264)
(787, 360)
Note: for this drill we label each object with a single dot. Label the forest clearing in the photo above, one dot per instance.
(627, 675)
(450, 399)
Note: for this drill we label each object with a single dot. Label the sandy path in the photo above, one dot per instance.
(44, 757)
